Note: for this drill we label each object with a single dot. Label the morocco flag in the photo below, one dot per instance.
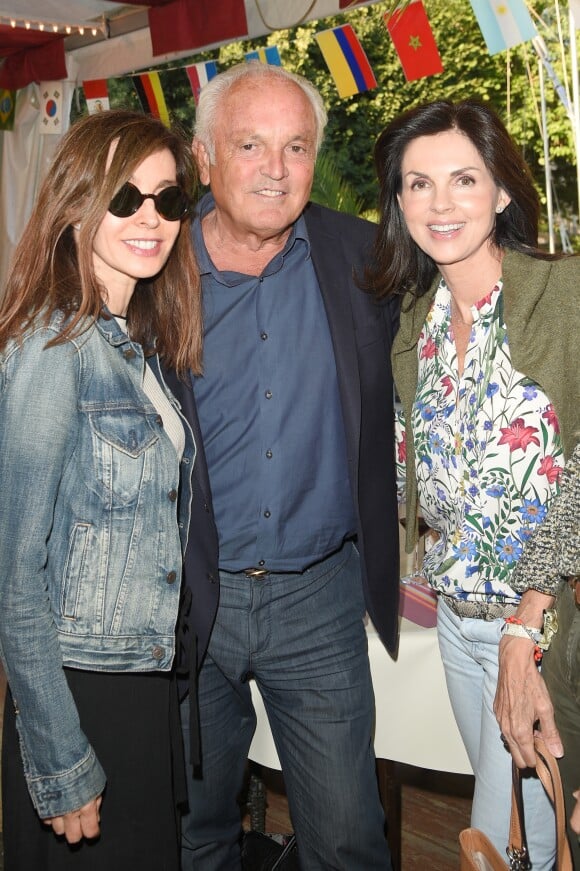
(414, 42)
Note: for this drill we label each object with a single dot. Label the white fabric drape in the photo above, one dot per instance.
(25, 155)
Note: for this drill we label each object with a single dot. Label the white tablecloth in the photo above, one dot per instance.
(415, 724)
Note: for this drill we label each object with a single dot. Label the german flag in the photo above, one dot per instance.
(150, 93)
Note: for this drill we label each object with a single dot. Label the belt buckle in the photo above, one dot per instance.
(256, 573)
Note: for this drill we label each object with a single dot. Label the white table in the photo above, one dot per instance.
(414, 721)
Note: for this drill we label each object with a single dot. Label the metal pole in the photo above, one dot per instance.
(575, 96)
(547, 168)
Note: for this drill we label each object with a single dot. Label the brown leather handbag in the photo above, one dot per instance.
(477, 853)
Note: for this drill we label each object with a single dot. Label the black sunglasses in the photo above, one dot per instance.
(171, 203)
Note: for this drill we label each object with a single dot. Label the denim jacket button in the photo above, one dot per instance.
(172, 495)
(129, 353)
(158, 420)
(158, 652)
(171, 576)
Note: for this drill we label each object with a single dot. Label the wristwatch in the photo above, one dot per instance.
(541, 637)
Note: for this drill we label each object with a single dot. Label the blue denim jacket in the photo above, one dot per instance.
(94, 512)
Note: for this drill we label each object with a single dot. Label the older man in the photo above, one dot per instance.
(296, 480)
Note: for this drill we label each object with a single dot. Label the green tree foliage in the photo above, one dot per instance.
(331, 189)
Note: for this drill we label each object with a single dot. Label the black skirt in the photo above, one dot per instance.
(132, 722)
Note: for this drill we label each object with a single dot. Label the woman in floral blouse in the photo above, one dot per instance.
(486, 368)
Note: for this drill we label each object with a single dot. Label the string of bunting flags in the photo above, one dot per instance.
(503, 23)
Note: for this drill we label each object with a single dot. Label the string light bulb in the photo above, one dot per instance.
(82, 29)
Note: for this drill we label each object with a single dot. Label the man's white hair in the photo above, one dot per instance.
(212, 93)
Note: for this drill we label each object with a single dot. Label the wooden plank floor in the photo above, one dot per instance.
(435, 807)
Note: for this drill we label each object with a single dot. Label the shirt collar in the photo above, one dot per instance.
(206, 204)
(440, 312)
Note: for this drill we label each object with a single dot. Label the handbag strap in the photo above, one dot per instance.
(517, 850)
(549, 775)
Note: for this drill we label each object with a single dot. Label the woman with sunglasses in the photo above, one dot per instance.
(95, 468)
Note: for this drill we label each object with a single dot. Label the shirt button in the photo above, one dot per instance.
(172, 495)
(206, 507)
(262, 562)
(171, 576)
(157, 652)
(263, 336)
(269, 454)
(268, 394)
(267, 514)
(211, 577)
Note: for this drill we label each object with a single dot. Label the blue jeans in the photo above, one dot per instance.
(302, 637)
(469, 650)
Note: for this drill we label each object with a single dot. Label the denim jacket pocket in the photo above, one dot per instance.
(74, 569)
(122, 442)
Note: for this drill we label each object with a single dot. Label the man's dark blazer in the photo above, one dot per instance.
(362, 332)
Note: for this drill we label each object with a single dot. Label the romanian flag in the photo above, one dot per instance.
(346, 60)
(96, 95)
(414, 41)
(199, 75)
(268, 55)
(7, 107)
(503, 23)
(150, 93)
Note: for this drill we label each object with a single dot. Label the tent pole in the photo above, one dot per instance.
(547, 167)
(575, 96)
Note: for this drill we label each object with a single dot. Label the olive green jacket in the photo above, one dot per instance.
(541, 301)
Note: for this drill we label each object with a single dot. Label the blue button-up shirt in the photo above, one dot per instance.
(270, 412)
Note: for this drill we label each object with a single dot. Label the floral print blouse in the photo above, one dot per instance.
(488, 453)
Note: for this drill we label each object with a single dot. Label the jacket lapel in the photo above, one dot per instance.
(334, 276)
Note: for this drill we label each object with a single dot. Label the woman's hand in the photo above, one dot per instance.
(521, 701)
(83, 823)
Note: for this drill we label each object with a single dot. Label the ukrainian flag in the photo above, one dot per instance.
(268, 55)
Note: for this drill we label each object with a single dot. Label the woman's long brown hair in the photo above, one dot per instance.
(51, 271)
